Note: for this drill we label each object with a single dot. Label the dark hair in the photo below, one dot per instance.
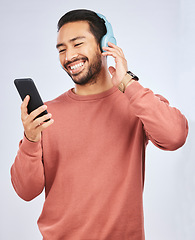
(96, 24)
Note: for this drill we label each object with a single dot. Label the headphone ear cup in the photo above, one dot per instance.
(106, 38)
(109, 36)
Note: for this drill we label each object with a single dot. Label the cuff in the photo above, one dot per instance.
(30, 147)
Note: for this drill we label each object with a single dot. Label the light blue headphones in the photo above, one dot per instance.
(109, 36)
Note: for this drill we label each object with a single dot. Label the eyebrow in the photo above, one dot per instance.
(71, 40)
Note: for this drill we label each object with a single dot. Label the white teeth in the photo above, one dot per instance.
(76, 66)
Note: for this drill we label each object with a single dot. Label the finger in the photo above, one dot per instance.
(109, 49)
(113, 54)
(112, 50)
(110, 44)
(116, 47)
(24, 110)
(45, 125)
(40, 120)
(37, 111)
(117, 58)
(112, 70)
(25, 102)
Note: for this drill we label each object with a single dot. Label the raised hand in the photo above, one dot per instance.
(120, 69)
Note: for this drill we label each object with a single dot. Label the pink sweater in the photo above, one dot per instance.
(91, 162)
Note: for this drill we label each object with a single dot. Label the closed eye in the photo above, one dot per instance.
(78, 44)
(62, 50)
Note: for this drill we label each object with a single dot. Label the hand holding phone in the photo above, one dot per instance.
(26, 86)
(34, 115)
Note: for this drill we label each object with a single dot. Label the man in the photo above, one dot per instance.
(91, 159)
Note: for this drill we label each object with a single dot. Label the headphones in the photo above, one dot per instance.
(109, 36)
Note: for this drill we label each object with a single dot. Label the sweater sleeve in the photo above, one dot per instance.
(164, 125)
(27, 172)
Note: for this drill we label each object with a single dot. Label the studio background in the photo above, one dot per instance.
(157, 38)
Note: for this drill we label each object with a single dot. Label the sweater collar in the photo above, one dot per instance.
(101, 95)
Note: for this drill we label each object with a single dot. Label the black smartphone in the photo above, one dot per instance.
(26, 86)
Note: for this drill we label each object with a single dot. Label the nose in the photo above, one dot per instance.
(71, 53)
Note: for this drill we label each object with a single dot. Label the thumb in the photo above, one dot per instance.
(112, 70)
(25, 103)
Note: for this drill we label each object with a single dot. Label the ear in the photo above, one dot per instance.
(99, 48)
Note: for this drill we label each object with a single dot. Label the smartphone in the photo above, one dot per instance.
(26, 86)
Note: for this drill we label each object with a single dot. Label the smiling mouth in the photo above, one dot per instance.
(74, 68)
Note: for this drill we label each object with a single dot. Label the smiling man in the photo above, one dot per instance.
(91, 159)
(78, 66)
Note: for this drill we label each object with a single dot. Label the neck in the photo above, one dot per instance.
(102, 83)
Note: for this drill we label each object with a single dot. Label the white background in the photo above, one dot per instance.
(158, 38)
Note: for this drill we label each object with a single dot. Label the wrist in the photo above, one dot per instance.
(31, 140)
(127, 80)
(133, 80)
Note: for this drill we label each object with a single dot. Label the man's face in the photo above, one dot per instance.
(79, 52)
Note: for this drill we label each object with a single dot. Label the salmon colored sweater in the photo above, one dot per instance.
(91, 162)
